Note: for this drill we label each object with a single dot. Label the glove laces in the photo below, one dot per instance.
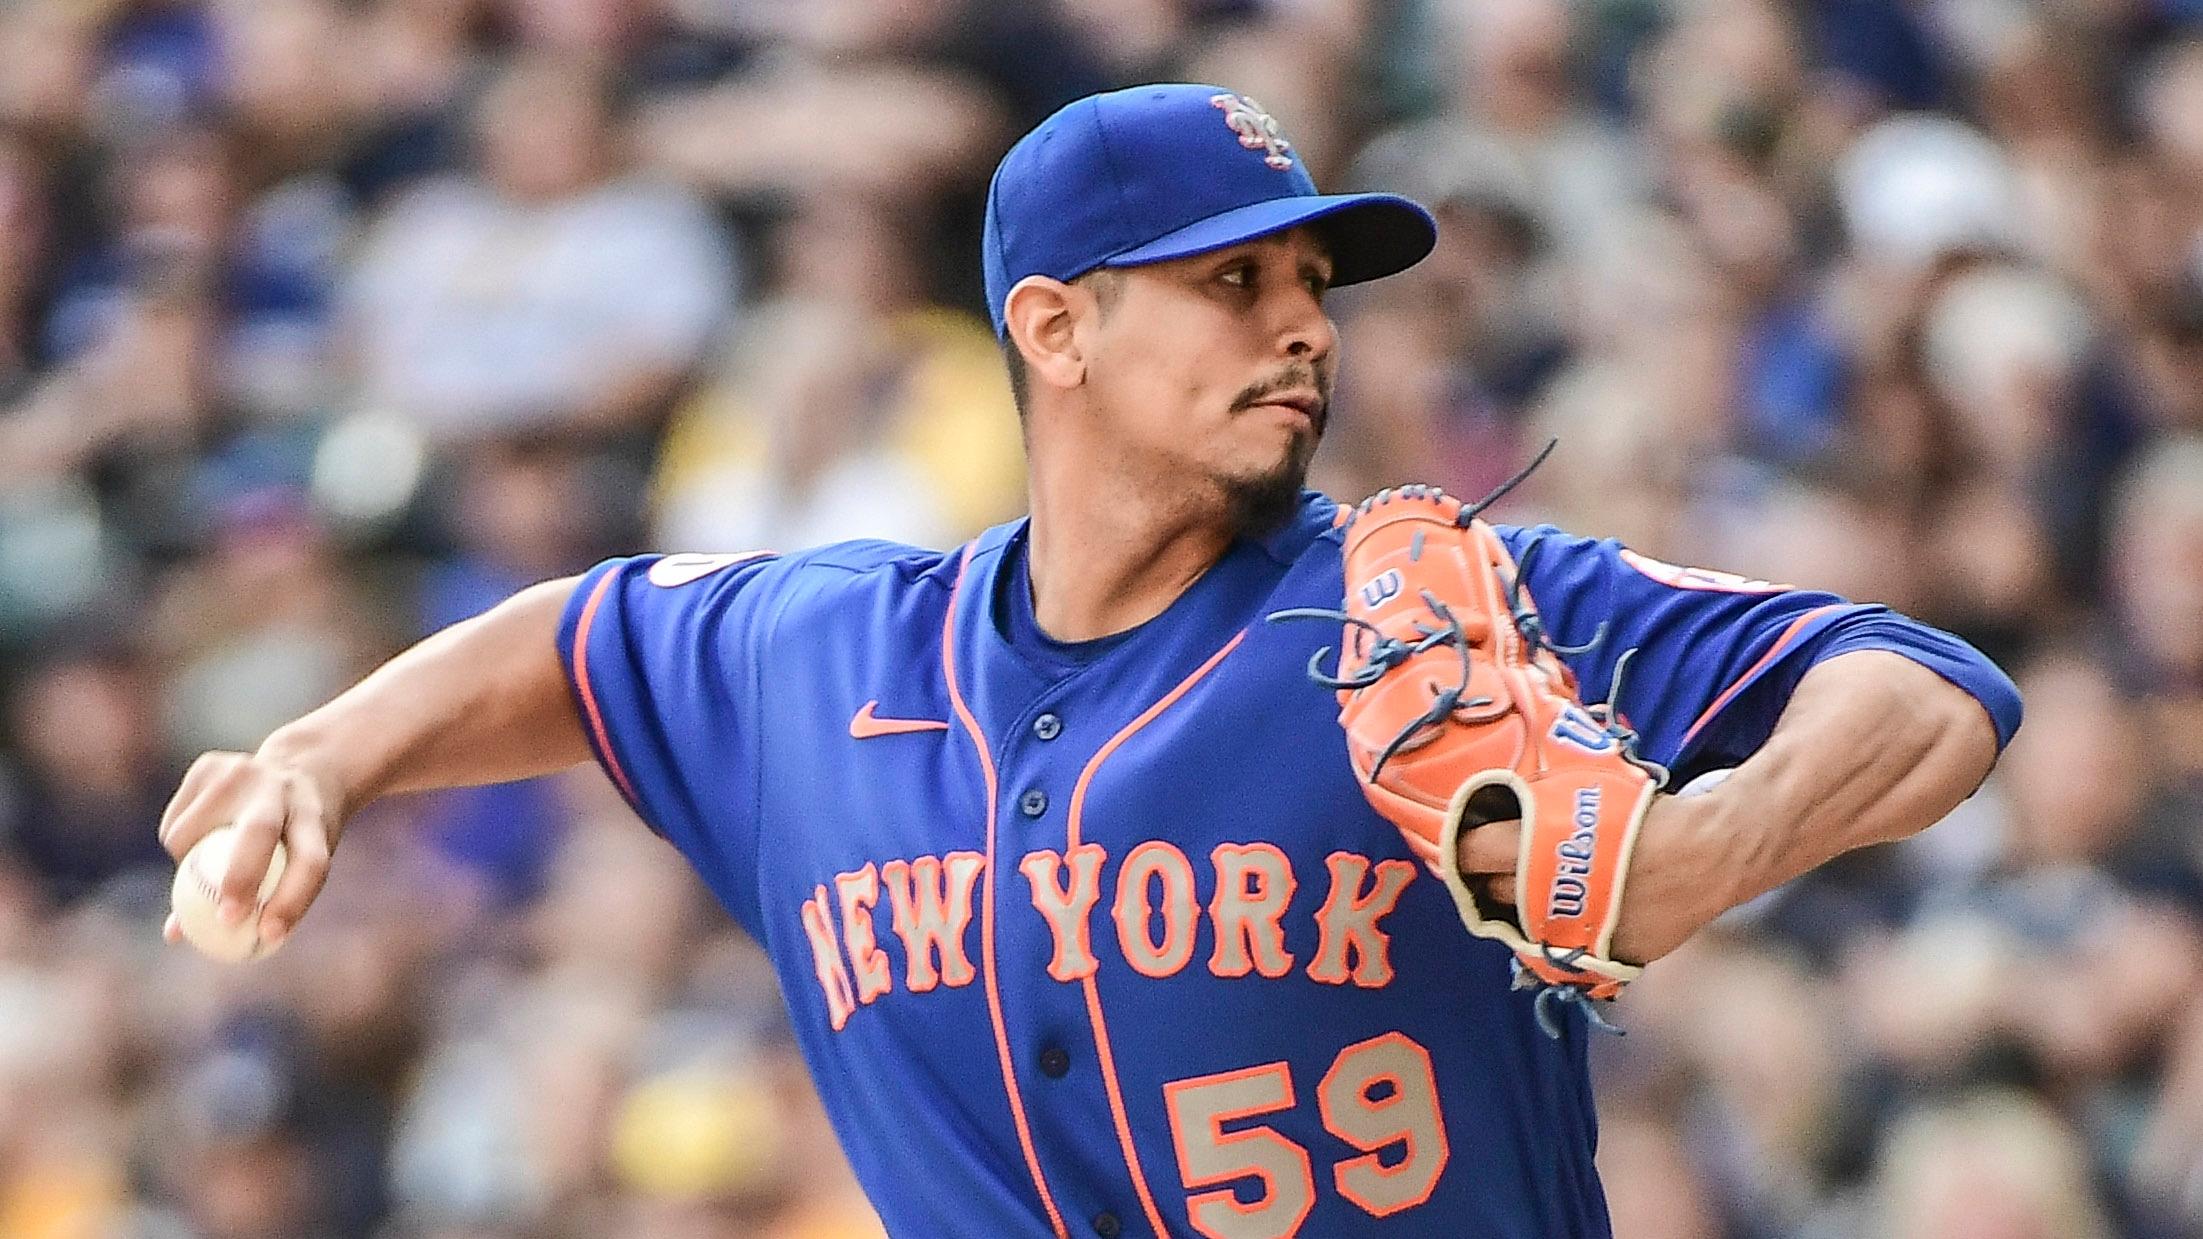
(1550, 998)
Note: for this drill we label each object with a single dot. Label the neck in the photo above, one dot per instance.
(1109, 550)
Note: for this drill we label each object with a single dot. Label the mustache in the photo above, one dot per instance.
(1296, 378)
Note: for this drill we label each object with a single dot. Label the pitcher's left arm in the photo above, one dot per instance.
(1872, 747)
(1845, 725)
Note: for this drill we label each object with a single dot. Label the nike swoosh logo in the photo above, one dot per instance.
(868, 725)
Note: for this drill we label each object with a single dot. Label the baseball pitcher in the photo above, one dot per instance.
(1194, 856)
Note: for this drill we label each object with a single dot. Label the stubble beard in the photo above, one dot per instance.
(1260, 505)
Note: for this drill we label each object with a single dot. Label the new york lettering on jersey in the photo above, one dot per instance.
(1106, 939)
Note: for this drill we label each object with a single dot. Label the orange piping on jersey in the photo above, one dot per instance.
(1093, 994)
(1781, 643)
(986, 905)
(589, 697)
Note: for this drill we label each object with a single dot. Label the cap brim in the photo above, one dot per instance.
(1370, 235)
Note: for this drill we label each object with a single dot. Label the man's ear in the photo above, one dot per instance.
(1042, 316)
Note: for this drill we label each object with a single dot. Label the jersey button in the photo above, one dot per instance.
(1107, 1226)
(1055, 1062)
(1047, 726)
(1033, 803)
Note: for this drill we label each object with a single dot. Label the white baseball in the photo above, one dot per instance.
(1705, 783)
(196, 898)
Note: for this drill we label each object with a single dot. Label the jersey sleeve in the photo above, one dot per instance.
(661, 655)
(1717, 656)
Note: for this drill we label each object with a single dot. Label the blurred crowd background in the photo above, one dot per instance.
(324, 323)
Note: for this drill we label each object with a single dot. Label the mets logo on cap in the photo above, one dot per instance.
(1256, 128)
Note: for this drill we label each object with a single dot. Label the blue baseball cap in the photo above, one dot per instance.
(1159, 172)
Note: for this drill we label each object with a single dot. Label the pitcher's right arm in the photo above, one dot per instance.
(484, 701)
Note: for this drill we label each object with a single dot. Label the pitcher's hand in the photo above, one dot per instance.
(269, 798)
(1679, 877)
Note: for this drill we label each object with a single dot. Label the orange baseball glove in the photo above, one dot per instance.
(1458, 711)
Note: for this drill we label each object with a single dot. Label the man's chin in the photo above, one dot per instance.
(1261, 505)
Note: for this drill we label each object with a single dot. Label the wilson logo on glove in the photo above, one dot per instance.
(1459, 711)
(1577, 727)
(1576, 854)
(1381, 589)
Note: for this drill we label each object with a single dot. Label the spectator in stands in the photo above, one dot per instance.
(92, 774)
(849, 407)
(555, 288)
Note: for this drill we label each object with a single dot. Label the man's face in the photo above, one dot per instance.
(542, 131)
(1217, 369)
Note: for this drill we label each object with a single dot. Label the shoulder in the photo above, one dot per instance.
(843, 583)
(837, 568)
(858, 603)
(867, 562)
(1519, 536)
(1558, 548)
(831, 571)
(847, 592)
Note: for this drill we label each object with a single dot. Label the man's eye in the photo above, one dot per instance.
(1237, 277)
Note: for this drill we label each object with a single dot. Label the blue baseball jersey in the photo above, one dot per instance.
(1104, 939)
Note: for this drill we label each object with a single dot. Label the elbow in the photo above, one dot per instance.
(1975, 735)
(1971, 703)
(1972, 697)
(1949, 681)
(1944, 751)
(1958, 719)
(1970, 728)
(1997, 699)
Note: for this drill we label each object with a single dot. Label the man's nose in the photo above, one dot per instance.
(1309, 335)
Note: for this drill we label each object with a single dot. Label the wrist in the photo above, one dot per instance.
(312, 748)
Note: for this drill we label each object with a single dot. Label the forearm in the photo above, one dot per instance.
(483, 701)
(1871, 748)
